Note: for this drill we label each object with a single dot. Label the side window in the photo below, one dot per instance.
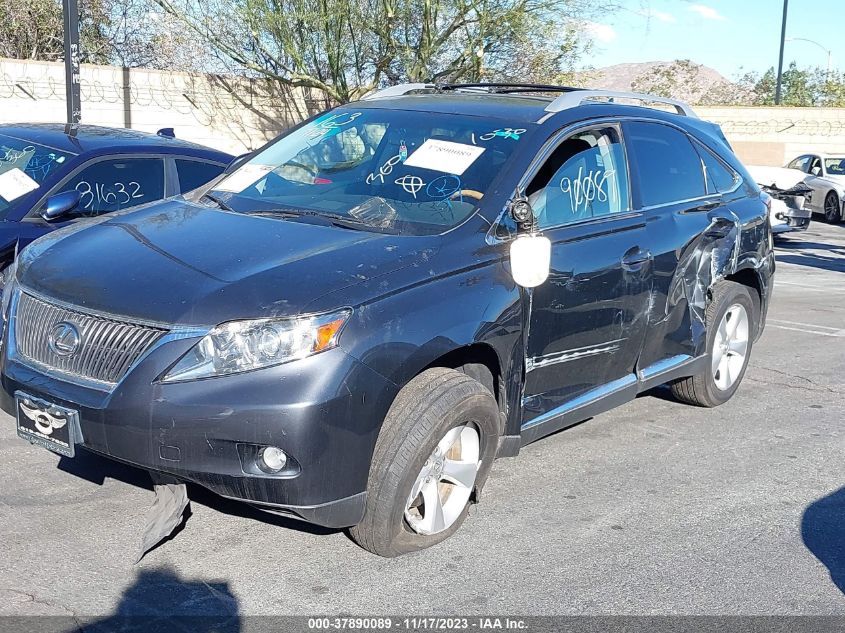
(720, 177)
(668, 167)
(585, 177)
(799, 163)
(194, 173)
(113, 184)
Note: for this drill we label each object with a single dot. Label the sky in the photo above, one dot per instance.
(732, 36)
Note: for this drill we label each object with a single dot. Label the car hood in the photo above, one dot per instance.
(181, 263)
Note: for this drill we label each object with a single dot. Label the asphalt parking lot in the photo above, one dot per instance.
(654, 508)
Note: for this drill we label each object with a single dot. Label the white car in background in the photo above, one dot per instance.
(825, 175)
(787, 193)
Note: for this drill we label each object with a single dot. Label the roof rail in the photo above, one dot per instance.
(505, 88)
(397, 91)
(486, 88)
(578, 97)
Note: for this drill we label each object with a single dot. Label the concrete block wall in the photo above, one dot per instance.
(774, 136)
(233, 115)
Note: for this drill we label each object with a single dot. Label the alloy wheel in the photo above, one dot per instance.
(831, 209)
(444, 485)
(730, 347)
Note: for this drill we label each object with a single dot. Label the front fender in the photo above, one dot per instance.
(400, 334)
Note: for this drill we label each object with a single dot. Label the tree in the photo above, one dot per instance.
(121, 32)
(345, 48)
(32, 29)
(802, 87)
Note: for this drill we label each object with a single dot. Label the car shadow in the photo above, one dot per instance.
(834, 264)
(823, 532)
(791, 244)
(795, 250)
(96, 469)
(160, 601)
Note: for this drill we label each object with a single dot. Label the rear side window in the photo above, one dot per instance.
(720, 177)
(113, 184)
(667, 167)
(194, 173)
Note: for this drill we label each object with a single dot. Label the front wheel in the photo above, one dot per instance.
(730, 333)
(432, 456)
(832, 208)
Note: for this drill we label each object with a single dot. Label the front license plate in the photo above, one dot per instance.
(47, 424)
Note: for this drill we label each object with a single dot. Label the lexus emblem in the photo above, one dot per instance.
(64, 339)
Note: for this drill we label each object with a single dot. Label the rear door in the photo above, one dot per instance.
(587, 321)
(685, 193)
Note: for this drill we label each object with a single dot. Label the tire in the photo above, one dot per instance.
(427, 411)
(832, 208)
(718, 382)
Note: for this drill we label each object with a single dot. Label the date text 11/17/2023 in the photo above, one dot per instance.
(418, 623)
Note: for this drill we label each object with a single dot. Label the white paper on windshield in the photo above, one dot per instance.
(15, 183)
(452, 158)
(242, 178)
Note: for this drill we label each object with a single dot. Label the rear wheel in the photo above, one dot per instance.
(832, 208)
(433, 454)
(730, 332)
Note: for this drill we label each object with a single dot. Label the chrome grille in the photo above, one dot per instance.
(107, 347)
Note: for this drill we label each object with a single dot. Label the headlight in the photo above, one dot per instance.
(239, 346)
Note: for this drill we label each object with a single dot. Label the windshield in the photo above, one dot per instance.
(407, 172)
(835, 166)
(23, 167)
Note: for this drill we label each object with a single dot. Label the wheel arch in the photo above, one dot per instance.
(751, 279)
(480, 362)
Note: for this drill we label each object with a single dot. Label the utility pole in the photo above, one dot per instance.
(779, 89)
(72, 94)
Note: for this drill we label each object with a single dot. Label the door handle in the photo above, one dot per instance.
(635, 257)
(720, 230)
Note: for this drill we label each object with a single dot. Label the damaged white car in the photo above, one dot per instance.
(787, 197)
(824, 174)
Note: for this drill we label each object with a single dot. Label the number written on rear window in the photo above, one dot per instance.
(110, 185)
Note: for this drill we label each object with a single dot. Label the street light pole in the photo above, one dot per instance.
(72, 93)
(821, 46)
(779, 88)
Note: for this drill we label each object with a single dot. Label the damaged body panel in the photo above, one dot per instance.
(191, 340)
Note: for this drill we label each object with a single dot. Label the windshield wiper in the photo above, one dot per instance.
(217, 201)
(336, 219)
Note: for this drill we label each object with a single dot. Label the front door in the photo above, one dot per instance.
(587, 322)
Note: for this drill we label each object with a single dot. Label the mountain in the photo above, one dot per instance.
(687, 81)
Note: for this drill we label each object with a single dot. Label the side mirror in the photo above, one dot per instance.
(531, 258)
(61, 204)
(531, 254)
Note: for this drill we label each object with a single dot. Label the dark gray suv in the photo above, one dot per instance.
(352, 325)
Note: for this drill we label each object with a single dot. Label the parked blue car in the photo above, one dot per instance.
(49, 178)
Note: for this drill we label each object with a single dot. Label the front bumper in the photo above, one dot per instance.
(324, 412)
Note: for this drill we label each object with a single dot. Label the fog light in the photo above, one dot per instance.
(272, 459)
